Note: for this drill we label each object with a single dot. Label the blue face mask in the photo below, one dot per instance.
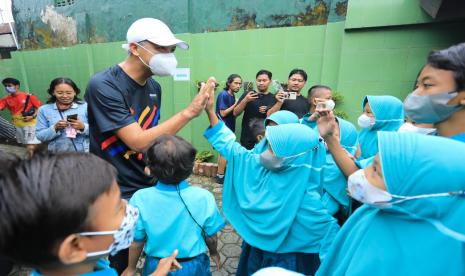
(10, 89)
(430, 109)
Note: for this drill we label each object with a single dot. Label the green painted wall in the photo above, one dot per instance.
(382, 13)
(42, 24)
(387, 61)
(355, 62)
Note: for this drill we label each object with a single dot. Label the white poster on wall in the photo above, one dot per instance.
(182, 74)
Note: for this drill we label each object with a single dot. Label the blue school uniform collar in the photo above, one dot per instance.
(171, 187)
(102, 268)
(459, 137)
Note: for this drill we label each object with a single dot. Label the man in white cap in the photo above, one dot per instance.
(124, 106)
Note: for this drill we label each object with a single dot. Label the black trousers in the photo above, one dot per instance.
(120, 261)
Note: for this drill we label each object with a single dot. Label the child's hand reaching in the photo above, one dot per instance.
(168, 264)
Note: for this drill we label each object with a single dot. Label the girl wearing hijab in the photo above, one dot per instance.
(412, 219)
(278, 118)
(335, 197)
(380, 113)
(272, 198)
(438, 98)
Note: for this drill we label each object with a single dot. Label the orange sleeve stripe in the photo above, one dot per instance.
(105, 144)
(150, 119)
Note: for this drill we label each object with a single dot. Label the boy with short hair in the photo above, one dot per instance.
(174, 214)
(63, 214)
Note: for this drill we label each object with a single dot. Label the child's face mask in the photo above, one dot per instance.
(362, 190)
(123, 237)
(275, 163)
(365, 121)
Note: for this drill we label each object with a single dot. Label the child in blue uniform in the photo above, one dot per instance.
(272, 198)
(411, 222)
(174, 215)
(63, 214)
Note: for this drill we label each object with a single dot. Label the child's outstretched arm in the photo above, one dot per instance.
(134, 253)
(219, 136)
(210, 106)
(212, 244)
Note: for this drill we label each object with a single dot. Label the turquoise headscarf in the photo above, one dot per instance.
(389, 115)
(280, 117)
(279, 212)
(334, 181)
(416, 237)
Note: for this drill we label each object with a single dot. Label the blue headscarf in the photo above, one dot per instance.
(389, 115)
(279, 212)
(417, 237)
(280, 117)
(334, 181)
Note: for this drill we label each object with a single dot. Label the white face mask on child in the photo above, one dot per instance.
(123, 237)
(365, 121)
(362, 190)
(409, 127)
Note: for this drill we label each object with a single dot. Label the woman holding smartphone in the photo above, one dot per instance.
(62, 122)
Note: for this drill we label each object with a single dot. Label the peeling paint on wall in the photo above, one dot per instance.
(40, 24)
(61, 25)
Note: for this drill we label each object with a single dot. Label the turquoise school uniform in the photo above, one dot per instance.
(460, 137)
(102, 268)
(389, 115)
(165, 224)
(277, 212)
(280, 117)
(334, 196)
(417, 237)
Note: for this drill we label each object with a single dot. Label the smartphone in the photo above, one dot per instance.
(290, 95)
(71, 117)
(328, 104)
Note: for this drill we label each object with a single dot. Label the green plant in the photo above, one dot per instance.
(203, 156)
(338, 98)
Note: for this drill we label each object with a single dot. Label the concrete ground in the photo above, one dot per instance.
(229, 243)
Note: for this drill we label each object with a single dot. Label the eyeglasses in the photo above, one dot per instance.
(159, 48)
(165, 49)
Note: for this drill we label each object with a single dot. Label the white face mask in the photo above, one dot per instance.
(365, 121)
(361, 190)
(409, 127)
(161, 64)
(123, 237)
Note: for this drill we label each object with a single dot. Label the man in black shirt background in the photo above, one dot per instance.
(254, 104)
(299, 105)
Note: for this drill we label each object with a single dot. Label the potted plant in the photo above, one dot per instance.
(200, 165)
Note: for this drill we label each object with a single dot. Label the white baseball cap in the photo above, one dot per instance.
(153, 30)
